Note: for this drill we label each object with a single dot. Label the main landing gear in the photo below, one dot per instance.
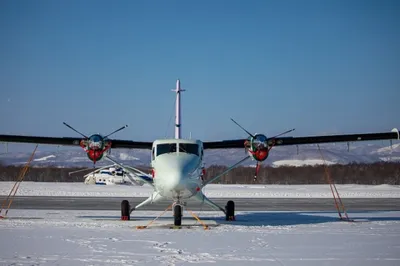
(125, 210)
(230, 211)
(177, 209)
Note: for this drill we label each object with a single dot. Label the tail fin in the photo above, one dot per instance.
(178, 124)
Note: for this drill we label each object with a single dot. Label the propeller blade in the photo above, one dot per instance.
(119, 129)
(242, 128)
(75, 130)
(257, 170)
(283, 133)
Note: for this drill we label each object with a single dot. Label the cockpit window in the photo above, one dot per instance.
(166, 148)
(189, 148)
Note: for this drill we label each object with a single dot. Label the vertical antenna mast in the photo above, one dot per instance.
(178, 91)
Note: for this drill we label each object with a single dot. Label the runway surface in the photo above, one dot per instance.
(242, 204)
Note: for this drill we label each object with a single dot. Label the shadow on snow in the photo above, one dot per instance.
(263, 218)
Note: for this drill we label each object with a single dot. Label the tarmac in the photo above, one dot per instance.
(241, 204)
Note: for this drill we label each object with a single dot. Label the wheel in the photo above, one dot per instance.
(230, 210)
(177, 215)
(125, 210)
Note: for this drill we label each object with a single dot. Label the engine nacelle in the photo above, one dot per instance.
(257, 147)
(95, 146)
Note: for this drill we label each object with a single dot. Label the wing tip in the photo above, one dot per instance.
(395, 130)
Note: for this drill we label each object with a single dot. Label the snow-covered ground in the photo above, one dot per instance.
(212, 190)
(40, 237)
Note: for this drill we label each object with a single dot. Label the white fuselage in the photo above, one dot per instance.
(177, 171)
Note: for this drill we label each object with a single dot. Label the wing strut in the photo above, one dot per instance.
(14, 189)
(340, 208)
(226, 171)
(5, 148)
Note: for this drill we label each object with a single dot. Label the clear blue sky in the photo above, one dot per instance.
(317, 66)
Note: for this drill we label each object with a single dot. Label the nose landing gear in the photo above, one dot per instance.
(177, 214)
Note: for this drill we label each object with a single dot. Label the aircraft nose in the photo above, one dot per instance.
(174, 181)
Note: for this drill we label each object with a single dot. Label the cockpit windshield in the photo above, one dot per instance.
(190, 148)
(166, 148)
(96, 142)
(95, 138)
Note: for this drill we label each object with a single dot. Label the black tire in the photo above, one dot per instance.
(125, 210)
(177, 215)
(230, 210)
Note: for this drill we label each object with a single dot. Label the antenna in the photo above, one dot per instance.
(178, 128)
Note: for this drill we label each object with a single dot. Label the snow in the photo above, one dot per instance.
(40, 237)
(301, 162)
(394, 147)
(212, 190)
(44, 158)
(390, 158)
(125, 157)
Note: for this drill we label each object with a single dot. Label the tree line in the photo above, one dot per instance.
(354, 173)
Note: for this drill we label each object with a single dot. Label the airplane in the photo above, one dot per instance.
(177, 170)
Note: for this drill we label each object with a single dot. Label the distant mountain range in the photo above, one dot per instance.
(308, 155)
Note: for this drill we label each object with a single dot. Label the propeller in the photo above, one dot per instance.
(115, 131)
(264, 150)
(95, 153)
(251, 135)
(75, 130)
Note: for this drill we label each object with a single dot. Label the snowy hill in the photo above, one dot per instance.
(308, 155)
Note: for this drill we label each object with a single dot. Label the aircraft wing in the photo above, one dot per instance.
(285, 141)
(67, 141)
(129, 144)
